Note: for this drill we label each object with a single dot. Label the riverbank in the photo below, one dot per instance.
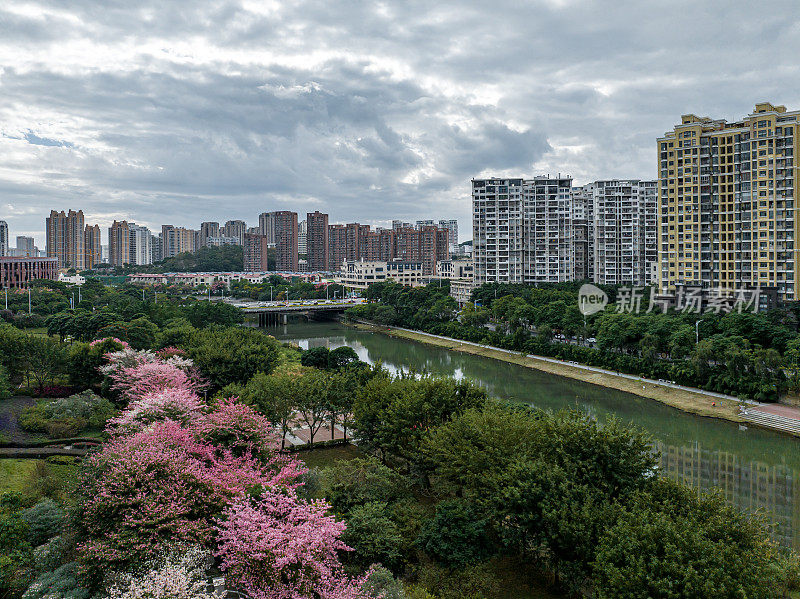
(698, 402)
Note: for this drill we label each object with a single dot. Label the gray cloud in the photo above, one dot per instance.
(179, 112)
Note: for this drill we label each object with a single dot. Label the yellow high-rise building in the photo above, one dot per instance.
(726, 202)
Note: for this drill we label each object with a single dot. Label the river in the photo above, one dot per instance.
(756, 469)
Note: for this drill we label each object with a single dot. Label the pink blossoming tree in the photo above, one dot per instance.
(278, 546)
(177, 404)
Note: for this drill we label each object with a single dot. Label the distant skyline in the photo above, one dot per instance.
(174, 112)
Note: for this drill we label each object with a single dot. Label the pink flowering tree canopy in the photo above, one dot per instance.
(278, 546)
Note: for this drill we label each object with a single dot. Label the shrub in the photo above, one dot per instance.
(456, 536)
(64, 583)
(68, 416)
(65, 428)
(356, 482)
(47, 557)
(42, 482)
(33, 420)
(372, 536)
(45, 520)
(181, 575)
(5, 383)
(381, 583)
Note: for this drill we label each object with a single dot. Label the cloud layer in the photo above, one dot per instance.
(179, 112)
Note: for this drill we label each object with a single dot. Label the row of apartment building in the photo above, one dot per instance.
(721, 215)
(328, 246)
(544, 230)
(311, 245)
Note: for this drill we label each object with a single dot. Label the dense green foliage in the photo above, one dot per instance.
(69, 416)
(277, 288)
(749, 355)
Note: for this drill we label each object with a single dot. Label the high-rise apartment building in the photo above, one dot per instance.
(433, 247)
(141, 245)
(93, 245)
(337, 242)
(727, 202)
(424, 223)
(452, 227)
(235, 228)
(4, 245)
(177, 240)
(158, 252)
(317, 241)
(523, 230)
(543, 230)
(302, 237)
(583, 231)
(622, 236)
(119, 243)
(286, 258)
(266, 226)
(256, 252)
(26, 247)
(66, 238)
(208, 229)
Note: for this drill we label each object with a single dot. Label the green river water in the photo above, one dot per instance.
(756, 469)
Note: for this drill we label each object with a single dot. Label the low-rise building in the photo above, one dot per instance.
(71, 279)
(461, 290)
(360, 274)
(19, 271)
(454, 269)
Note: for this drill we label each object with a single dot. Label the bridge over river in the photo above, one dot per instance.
(274, 313)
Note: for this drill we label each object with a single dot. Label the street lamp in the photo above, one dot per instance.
(697, 331)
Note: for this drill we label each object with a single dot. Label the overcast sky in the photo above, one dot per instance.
(180, 112)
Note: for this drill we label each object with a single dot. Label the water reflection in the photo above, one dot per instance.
(755, 469)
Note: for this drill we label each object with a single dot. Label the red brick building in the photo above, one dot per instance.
(255, 252)
(286, 258)
(18, 272)
(317, 245)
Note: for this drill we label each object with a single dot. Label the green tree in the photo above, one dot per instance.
(204, 313)
(341, 357)
(373, 537)
(674, 543)
(352, 483)
(45, 359)
(232, 355)
(315, 357)
(456, 536)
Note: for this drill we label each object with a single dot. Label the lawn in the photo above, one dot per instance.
(328, 456)
(35, 479)
(14, 474)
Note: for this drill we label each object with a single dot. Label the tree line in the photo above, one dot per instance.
(755, 356)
